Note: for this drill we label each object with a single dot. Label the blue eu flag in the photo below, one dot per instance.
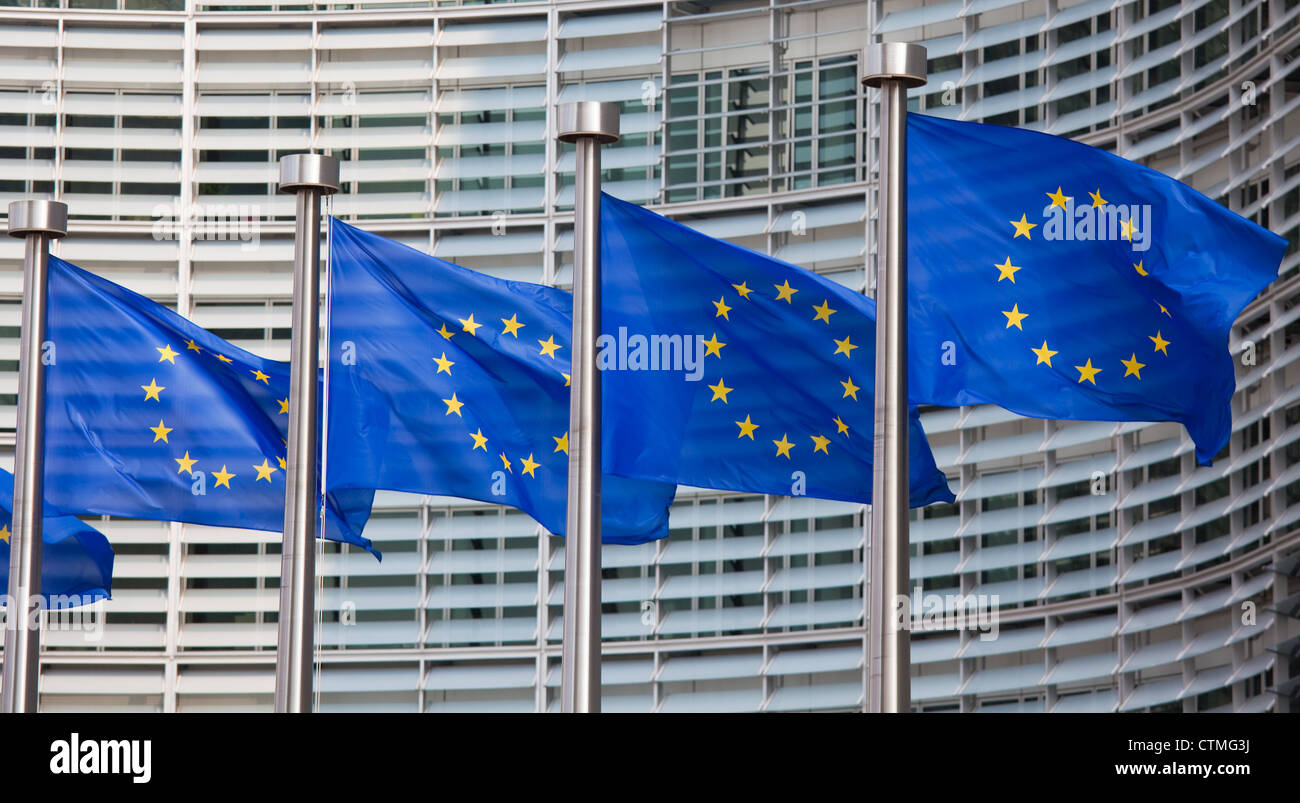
(1060, 281)
(149, 416)
(76, 560)
(728, 369)
(448, 381)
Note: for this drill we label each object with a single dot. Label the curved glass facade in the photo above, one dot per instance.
(1126, 577)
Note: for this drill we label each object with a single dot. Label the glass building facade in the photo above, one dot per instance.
(1127, 577)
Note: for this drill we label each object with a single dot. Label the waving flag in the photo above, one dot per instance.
(1060, 281)
(150, 416)
(728, 369)
(447, 381)
(76, 559)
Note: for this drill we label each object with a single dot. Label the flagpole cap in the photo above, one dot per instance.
(38, 217)
(309, 171)
(589, 118)
(894, 61)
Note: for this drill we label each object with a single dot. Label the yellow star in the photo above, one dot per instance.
(820, 444)
(512, 325)
(1059, 198)
(824, 312)
(720, 391)
(723, 309)
(151, 390)
(783, 447)
(1141, 270)
(567, 379)
(223, 477)
(746, 428)
(160, 432)
(4, 533)
(280, 460)
(743, 289)
(284, 406)
(1162, 309)
(784, 292)
(1087, 372)
(1045, 355)
(1007, 271)
(549, 347)
(480, 441)
(505, 461)
(224, 359)
(445, 332)
(1132, 366)
(850, 389)
(167, 354)
(186, 463)
(192, 346)
(841, 428)
(1161, 343)
(1127, 229)
(1014, 317)
(529, 466)
(260, 377)
(713, 346)
(468, 324)
(264, 471)
(561, 443)
(1022, 228)
(1097, 200)
(844, 347)
(453, 405)
(444, 364)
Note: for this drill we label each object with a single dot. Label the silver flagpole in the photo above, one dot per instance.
(38, 222)
(310, 176)
(893, 68)
(589, 125)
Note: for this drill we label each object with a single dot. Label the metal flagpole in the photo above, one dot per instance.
(310, 176)
(38, 222)
(893, 68)
(588, 124)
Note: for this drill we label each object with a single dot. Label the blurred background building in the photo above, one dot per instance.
(1128, 577)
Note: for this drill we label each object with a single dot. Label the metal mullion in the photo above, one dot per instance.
(446, 578)
(60, 124)
(664, 75)
(701, 149)
(815, 159)
(719, 567)
(551, 182)
(422, 582)
(431, 114)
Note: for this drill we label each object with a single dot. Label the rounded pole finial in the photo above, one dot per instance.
(589, 118)
(299, 171)
(38, 217)
(896, 61)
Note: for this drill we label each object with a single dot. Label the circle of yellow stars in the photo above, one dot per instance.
(185, 464)
(454, 405)
(783, 292)
(1015, 318)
